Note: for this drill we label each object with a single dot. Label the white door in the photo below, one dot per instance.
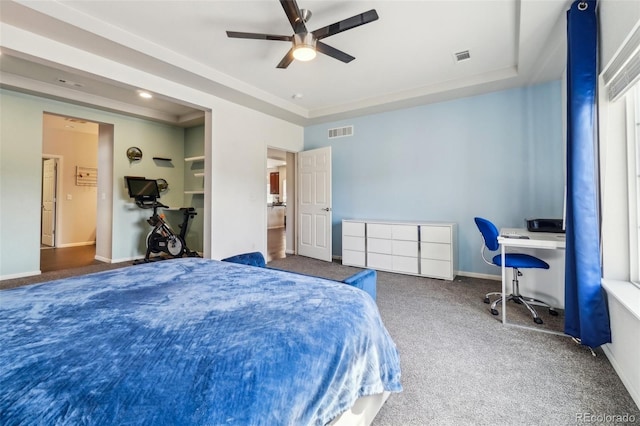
(314, 204)
(48, 201)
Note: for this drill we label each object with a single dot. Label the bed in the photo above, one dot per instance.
(191, 341)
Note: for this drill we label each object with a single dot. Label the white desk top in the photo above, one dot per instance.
(519, 237)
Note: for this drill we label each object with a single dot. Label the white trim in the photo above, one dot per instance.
(621, 373)
(85, 243)
(478, 275)
(127, 259)
(633, 142)
(102, 259)
(627, 294)
(20, 275)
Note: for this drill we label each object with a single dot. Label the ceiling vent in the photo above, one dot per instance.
(462, 56)
(69, 82)
(341, 132)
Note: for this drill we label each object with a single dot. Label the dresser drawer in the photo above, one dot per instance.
(436, 268)
(355, 229)
(379, 230)
(435, 234)
(404, 232)
(380, 261)
(408, 265)
(436, 251)
(404, 248)
(352, 243)
(353, 258)
(377, 245)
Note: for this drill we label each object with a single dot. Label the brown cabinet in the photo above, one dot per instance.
(274, 183)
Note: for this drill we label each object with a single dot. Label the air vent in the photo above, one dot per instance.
(462, 56)
(69, 82)
(340, 132)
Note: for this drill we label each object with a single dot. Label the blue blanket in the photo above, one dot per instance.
(190, 341)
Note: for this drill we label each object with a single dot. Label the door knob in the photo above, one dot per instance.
(327, 209)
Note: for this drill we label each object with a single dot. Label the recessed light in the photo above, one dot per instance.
(145, 95)
(297, 96)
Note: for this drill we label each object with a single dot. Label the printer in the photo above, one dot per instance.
(545, 225)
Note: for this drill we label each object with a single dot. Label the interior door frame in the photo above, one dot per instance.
(56, 209)
(292, 200)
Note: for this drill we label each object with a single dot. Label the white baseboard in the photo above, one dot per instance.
(290, 252)
(625, 380)
(126, 259)
(19, 275)
(482, 276)
(103, 259)
(86, 243)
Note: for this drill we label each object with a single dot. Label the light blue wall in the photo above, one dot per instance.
(498, 155)
(21, 124)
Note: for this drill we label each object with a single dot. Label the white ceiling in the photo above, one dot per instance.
(405, 58)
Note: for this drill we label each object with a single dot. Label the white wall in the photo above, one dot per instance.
(239, 154)
(617, 19)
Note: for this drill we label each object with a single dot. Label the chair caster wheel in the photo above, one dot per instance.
(486, 300)
(494, 312)
(537, 320)
(553, 312)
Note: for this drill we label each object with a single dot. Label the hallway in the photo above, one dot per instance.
(276, 244)
(56, 259)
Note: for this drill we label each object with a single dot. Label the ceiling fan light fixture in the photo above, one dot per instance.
(304, 47)
(304, 53)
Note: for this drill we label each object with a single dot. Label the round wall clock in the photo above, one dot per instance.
(134, 153)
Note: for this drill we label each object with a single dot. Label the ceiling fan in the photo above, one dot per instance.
(305, 43)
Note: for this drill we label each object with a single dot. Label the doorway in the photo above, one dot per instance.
(69, 192)
(281, 203)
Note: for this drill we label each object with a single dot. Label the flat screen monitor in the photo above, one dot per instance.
(142, 189)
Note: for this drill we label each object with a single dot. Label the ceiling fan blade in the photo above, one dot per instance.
(346, 24)
(256, 36)
(288, 58)
(294, 15)
(333, 52)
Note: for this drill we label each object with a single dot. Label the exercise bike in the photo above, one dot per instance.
(161, 238)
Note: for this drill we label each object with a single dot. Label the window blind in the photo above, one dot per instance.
(624, 70)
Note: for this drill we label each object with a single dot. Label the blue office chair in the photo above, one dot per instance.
(512, 260)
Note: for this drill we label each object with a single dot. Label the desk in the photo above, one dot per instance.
(509, 237)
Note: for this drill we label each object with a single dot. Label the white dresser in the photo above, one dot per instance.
(417, 248)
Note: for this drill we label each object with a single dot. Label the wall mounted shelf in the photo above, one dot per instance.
(198, 158)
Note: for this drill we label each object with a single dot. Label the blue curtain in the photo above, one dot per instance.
(586, 315)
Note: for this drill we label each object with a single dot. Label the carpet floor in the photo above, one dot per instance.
(462, 366)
